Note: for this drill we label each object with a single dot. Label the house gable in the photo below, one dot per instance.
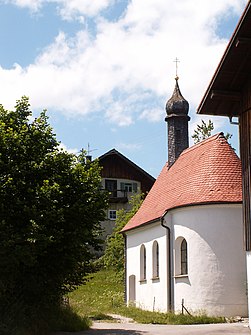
(116, 165)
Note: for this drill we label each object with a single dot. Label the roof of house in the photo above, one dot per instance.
(116, 153)
(223, 95)
(208, 172)
(117, 166)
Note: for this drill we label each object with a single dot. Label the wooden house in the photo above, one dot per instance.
(229, 94)
(122, 178)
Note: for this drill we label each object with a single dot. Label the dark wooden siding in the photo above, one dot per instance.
(115, 167)
(245, 152)
(245, 139)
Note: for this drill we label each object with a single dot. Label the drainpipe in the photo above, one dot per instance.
(170, 302)
(125, 269)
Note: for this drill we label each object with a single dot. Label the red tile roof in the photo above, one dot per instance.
(208, 172)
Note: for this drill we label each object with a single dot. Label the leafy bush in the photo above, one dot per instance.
(51, 205)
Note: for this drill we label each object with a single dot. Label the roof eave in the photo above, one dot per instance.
(225, 102)
(128, 161)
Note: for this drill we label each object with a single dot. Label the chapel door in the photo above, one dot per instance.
(132, 289)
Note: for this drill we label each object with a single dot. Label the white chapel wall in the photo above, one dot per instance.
(216, 281)
(248, 254)
(151, 294)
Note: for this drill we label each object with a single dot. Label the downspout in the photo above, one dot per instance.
(125, 269)
(170, 302)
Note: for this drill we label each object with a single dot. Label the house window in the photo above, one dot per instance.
(155, 258)
(183, 257)
(142, 263)
(129, 187)
(112, 214)
(111, 186)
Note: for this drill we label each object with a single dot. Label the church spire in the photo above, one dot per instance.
(177, 122)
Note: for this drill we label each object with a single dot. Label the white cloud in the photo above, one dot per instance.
(68, 9)
(127, 68)
(129, 146)
(33, 5)
(73, 8)
(152, 115)
(70, 150)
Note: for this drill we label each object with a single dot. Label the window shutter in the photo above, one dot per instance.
(122, 186)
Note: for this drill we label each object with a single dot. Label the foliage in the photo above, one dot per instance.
(52, 318)
(103, 295)
(67, 319)
(50, 208)
(114, 253)
(204, 131)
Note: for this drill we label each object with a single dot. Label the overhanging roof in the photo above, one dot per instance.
(127, 161)
(223, 95)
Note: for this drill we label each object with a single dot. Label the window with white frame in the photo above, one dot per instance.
(155, 259)
(129, 187)
(112, 214)
(142, 263)
(183, 257)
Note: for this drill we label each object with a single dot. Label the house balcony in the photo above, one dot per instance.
(118, 196)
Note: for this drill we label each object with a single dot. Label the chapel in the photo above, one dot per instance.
(184, 246)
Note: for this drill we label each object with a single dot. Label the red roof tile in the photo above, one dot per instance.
(208, 172)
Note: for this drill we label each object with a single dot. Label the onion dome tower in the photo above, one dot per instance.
(177, 124)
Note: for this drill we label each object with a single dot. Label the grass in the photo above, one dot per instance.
(168, 318)
(103, 294)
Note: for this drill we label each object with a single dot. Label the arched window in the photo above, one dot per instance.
(142, 262)
(155, 257)
(183, 257)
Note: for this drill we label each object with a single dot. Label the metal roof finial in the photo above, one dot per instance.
(176, 61)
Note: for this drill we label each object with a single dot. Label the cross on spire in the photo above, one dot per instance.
(176, 61)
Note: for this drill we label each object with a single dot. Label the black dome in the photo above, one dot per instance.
(177, 104)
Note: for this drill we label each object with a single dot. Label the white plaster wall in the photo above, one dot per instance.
(249, 284)
(216, 281)
(150, 294)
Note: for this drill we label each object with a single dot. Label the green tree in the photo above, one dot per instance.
(114, 253)
(204, 130)
(50, 208)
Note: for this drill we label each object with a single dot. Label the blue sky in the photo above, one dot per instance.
(104, 69)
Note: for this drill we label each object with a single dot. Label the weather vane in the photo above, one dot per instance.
(176, 61)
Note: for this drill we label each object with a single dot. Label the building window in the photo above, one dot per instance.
(183, 257)
(112, 214)
(129, 187)
(111, 186)
(155, 257)
(142, 263)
